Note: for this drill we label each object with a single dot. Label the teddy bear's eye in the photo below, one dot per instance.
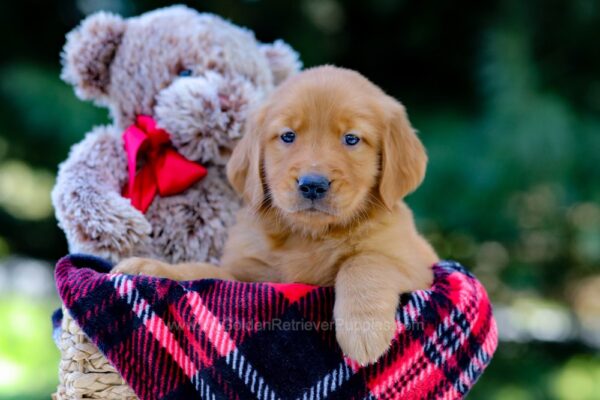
(185, 72)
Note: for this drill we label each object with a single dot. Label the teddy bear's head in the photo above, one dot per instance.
(195, 73)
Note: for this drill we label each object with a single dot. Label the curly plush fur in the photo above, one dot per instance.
(132, 67)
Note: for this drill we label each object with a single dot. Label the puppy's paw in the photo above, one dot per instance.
(362, 335)
(142, 266)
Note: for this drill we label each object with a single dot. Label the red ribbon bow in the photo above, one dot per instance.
(164, 170)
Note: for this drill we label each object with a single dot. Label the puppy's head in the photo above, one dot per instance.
(326, 147)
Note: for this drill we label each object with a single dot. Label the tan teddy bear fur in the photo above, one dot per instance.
(132, 66)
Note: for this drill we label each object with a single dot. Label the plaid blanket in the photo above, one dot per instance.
(215, 339)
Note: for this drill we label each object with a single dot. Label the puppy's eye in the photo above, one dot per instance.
(185, 72)
(351, 139)
(288, 137)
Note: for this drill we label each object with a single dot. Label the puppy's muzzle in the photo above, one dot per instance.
(313, 187)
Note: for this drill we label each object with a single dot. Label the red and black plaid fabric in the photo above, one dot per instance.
(215, 339)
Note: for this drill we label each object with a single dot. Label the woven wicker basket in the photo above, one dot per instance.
(83, 372)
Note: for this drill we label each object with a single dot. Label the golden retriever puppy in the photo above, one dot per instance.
(323, 169)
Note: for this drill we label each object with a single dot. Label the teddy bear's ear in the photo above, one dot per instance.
(283, 60)
(88, 53)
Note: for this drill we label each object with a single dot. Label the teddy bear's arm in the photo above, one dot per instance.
(88, 202)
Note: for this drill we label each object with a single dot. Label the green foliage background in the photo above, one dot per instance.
(506, 96)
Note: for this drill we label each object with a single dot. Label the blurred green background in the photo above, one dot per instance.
(505, 94)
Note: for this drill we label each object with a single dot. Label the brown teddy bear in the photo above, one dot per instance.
(178, 85)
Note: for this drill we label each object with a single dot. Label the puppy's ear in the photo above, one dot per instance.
(243, 168)
(88, 53)
(403, 157)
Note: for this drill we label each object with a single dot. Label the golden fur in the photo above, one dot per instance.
(360, 237)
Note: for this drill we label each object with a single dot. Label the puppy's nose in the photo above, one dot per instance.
(313, 187)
